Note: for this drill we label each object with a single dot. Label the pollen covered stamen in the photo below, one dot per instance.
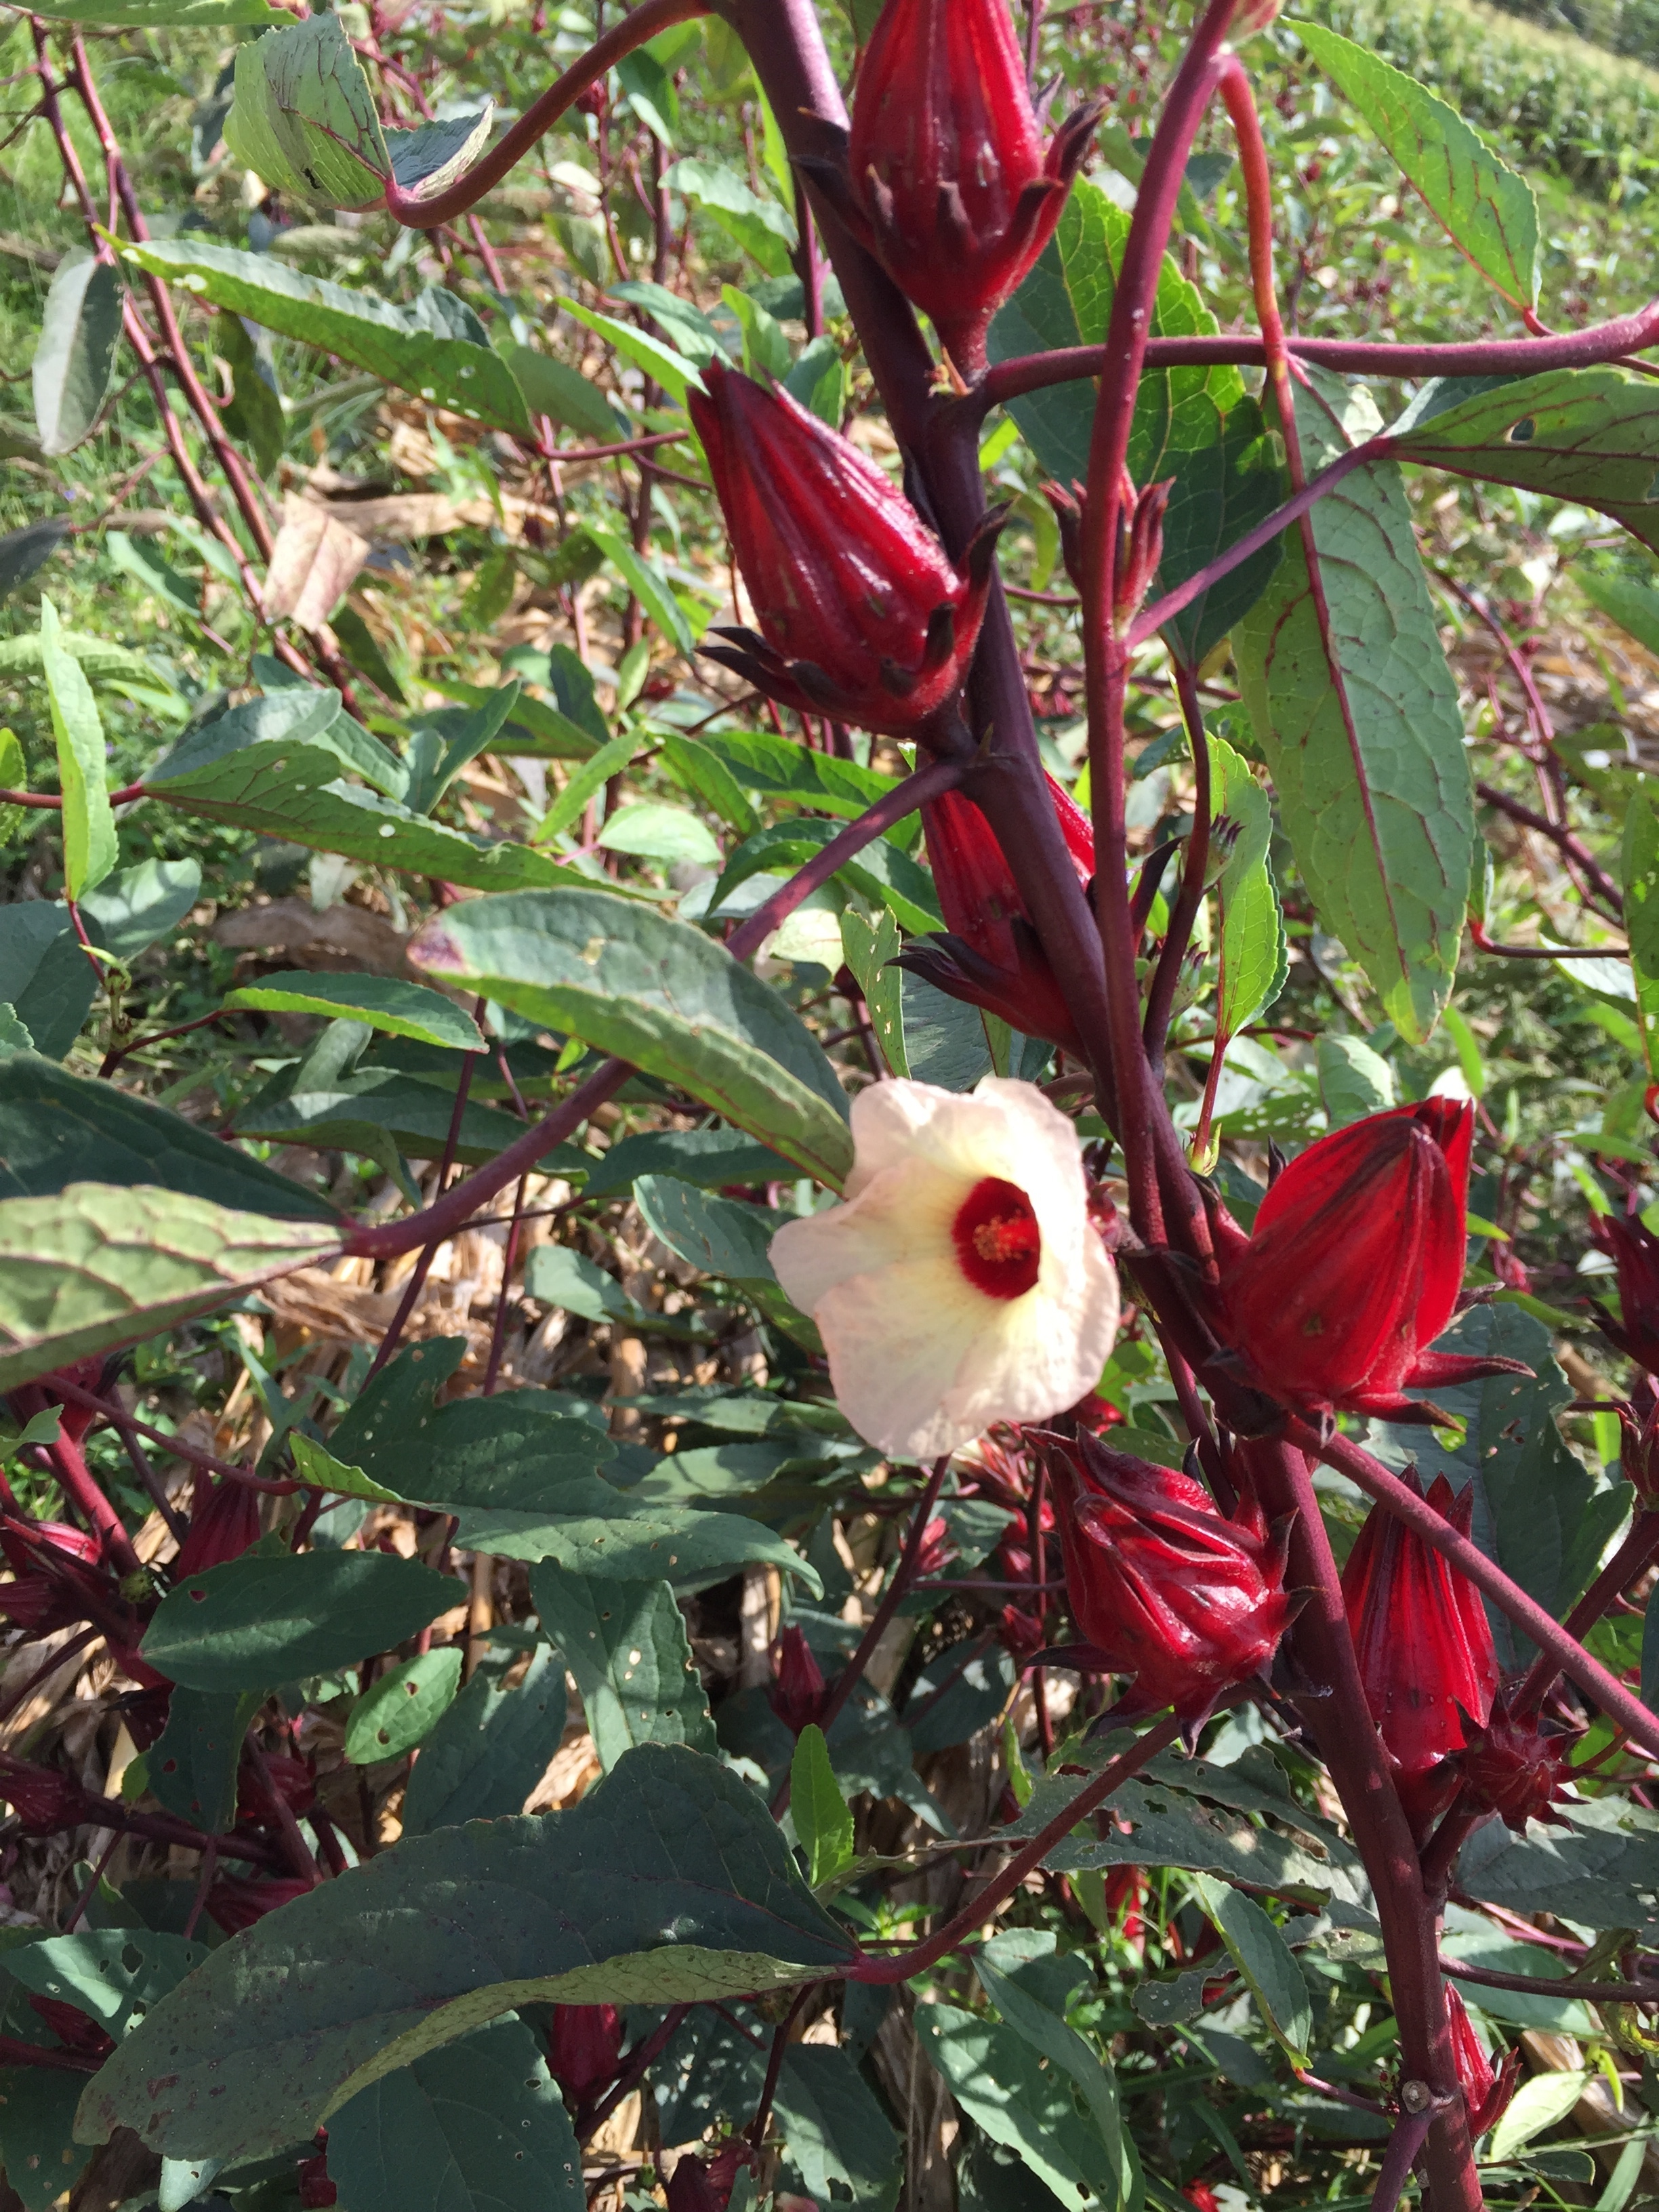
(998, 1245)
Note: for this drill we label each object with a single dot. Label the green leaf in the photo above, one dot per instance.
(131, 909)
(304, 118)
(838, 2145)
(709, 1157)
(1639, 868)
(1634, 607)
(667, 1883)
(90, 841)
(760, 762)
(63, 1130)
(724, 1237)
(437, 153)
(14, 776)
(1354, 1080)
(554, 1275)
(1538, 1511)
(658, 994)
(644, 577)
(1536, 2104)
(37, 2122)
(113, 1975)
(1361, 727)
(759, 227)
(1589, 435)
(357, 1111)
(138, 558)
(401, 1009)
(480, 2127)
(395, 343)
(1488, 211)
(164, 14)
(1227, 480)
(79, 331)
(627, 1647)
(296, 791)
(871, 948)
(1003, 2084)
(192, 1765)
(554, 388)
(488, 1750)
(363, 650)
(1265, 1960)
(255, 412)
(403, 1707)
(1253, 957)
(881, 873)
(1025, 1996)
(264, 1619)
(660, 363)
(824, 1821)
(93, 1267)
(672, 834)
(584, 783)
(696, 769)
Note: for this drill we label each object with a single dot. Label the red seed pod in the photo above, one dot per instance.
(58, 1581)
(235, 1903)
(1486, 2091)
(1161, 1585)
(798, 1693)
(1354, 1265)
(1514, 1768)
(1425, 1649)
(944, 176)
(1634, 1247)
(224, 1523)
(861, 615)
(44, 1799)
(989, 954)
(584, 2049)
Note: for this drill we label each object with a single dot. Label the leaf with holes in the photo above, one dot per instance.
(626, 1645)
(403, 1707)
(668, 1882)
(1352, 702)
(1488, 211)
(658, 994)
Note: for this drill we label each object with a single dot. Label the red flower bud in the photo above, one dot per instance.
(44, 1799)
(1019, 1635)
(1633, 1246)
(73, 2029)
(1164, 1586)
(862, 617)
(317, 2190)
(797, 1694)
(1639, 1442)
(291, 1780)
(584, 2049)
(236, 1904)
(1425, 1649)
(1486, 2092)
(224, 1522)
(990, 955)
(705, 2184)
(1354, 1265)
(943, 177)
(1202, 2197)
(1514, 1768)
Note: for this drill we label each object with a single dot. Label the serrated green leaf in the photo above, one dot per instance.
(824, 1821)
(79, 331)
(488, 1750)
(403, 1707)
(554, 388)
(1265, 1961)
(90, 848)
(264, 1619)
(1361, 727)
(626, 1645)
(392, 343)
(1254, 960)
(650, 587)
(1486, 209)
(384, 1002)
(480, 2127)
(658, 994)
(93, 1267)
(668, 1882)
(660, 363)
(304, 118)
(191, 1767)
(1639, 868)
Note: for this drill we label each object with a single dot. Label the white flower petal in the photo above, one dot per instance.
(922, 1360)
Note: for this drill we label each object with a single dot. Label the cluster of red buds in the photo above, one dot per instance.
(944, 176)
(1163, 1585)
(1140, 512)
(1634, 1249)
(862, 616)
(1354, 1266)
(989, 954)
(1425, 1649)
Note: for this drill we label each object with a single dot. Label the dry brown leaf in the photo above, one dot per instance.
(347, 937)
(313, 564)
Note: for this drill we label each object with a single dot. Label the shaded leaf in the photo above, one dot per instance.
(1361, 727)
(552, 387)
(666, 1882)
(401, 1009)
(76, 354)
(88, 821)
(488, 1750)
(430, 158)
(25, 552)
(1265, 1960)
(192, 1765)
(404, 1706)
(626, 1645)
(304, 118)
(838, 2143)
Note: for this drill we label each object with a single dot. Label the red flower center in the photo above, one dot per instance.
(998, 1244)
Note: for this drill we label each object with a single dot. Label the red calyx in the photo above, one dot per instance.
(990, 955)
(705, 2184)
(317, 2190)
(1514, 1768)
(1354, 1265)
(1486, 2092)
(224, 1522)
(1635, 1250)
(1425, 1649)
(862, 615)
(235, 1903)
(43, 1394)
(44, 1799)
(1638, 1442)
(73, 2029)
(797, 1694)
(1161, 1585)
(944, 176)
(291, 1780)
(584, 2049)
(1200, 2194)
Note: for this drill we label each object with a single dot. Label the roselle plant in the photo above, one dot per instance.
(823, 1460)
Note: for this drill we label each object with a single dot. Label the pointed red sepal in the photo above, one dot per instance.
(1630, 1242)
